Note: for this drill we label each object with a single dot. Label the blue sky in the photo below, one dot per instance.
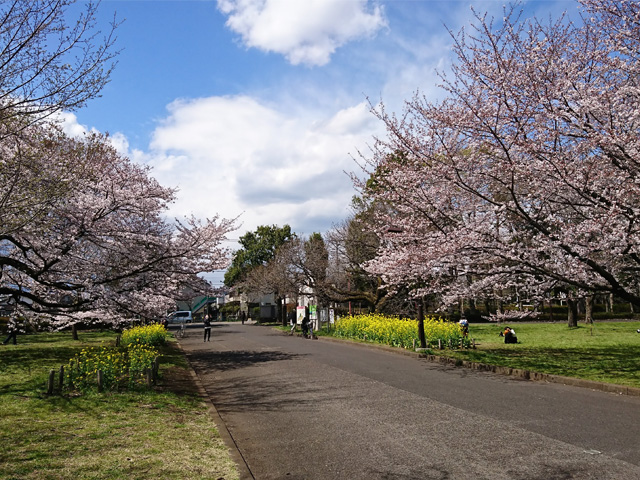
(255, 108)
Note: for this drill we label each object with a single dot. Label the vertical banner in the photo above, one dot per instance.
(300, 313)
(313, 312)
(332, 318)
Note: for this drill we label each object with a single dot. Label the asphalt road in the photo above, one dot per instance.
(305, 409)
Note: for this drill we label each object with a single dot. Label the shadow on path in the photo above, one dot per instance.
(269, 395)
(236, 359)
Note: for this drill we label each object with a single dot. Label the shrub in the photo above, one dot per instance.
(83, 369)
(154, 334)
(121, 367)
(391, 330)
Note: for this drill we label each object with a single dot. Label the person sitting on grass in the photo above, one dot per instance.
(509, 335)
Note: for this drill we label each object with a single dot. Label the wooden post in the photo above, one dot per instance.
(439, 344)
(414, 343)
(473, 343)
(156, 367)
(148, 375)
(118, 341)
(52, 376)
(61, 378)
(100, 380)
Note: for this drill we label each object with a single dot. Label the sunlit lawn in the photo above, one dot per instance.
(127, 435)
(606, 352)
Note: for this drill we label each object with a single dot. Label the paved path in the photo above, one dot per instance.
(304, 409)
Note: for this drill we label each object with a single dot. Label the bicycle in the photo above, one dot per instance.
(181, 331)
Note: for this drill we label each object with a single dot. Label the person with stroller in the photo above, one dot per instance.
(305, 326)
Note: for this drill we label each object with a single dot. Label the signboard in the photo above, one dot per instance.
(332, 318)
(313, 312)
(300, 313)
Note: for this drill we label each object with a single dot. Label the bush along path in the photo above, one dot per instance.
(132, 363)
(403, 333)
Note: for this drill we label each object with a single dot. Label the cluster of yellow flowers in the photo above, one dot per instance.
(154, 334)
(392, 330)
(120, 367)
(83, 369)
(140, 358)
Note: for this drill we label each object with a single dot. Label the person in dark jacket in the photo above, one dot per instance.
(12, 333)
(305, 326)
(509, 335)
(207, 329)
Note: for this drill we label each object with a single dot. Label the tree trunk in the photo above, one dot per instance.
(572, 312)
(611, 303)
(74, 332)
(588, 310)
(279, 309)
(421, 336)
(487, 307)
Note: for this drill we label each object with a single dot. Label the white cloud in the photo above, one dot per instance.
(69, 124)
(304, 31)
(235, 155)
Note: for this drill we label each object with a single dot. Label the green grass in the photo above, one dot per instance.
(605, 352)
(127, 435)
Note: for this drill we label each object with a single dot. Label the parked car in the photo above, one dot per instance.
(181, 316)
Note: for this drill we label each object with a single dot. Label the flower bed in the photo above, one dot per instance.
(120, 367)
(391, 330)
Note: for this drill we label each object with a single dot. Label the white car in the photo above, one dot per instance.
(182, 316)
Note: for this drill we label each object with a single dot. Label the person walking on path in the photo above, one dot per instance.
(12, 332)
(207, 329)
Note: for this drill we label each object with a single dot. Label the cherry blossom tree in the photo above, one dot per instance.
(93, 241)
(53, 57)
(526, 176)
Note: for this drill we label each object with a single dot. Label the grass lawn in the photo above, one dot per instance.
(166, 433)
(605, 352)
